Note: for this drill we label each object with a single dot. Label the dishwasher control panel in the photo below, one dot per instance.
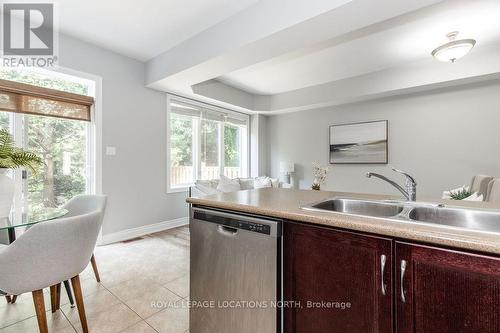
(233, 222)
(255, 227)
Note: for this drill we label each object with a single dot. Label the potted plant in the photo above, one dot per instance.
(12, 157)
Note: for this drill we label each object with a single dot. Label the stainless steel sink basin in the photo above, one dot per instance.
(358, 207)
(412, 212)
(458, 217)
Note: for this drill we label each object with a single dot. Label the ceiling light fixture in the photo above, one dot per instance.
(454, 49)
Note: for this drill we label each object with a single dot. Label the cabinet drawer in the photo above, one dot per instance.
(444, 291)
(326, 270)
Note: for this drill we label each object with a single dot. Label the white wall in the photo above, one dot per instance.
(254, 145)
(134, 121)
(263, 146)
(442, 137)
(259, 150)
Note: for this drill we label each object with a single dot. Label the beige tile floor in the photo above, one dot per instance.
(142, 281)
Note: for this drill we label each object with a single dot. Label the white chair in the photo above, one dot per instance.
(480, 183)
(47, 254)
(493, 194)
(83, 204)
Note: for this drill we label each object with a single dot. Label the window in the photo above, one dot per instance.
(205, 142)
(64, 141)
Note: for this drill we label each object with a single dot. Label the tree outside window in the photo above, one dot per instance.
(62, 143)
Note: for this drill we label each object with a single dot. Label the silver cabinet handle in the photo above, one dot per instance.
(403, 271)
(383, 260)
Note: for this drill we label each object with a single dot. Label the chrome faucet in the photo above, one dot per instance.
(410, 190)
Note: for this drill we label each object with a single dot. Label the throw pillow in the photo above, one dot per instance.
(246, 183)
(208, 183)
(207, 190)
(228, 185)
(474, 197)
(262, 182)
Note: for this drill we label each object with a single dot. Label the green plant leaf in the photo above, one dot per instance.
(12, 157)
(460, 194)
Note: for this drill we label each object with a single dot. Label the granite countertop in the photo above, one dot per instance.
(286, 203)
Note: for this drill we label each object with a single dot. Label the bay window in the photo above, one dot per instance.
(204, 142)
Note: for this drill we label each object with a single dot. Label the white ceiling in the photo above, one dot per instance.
(142, 29)
(397, 42)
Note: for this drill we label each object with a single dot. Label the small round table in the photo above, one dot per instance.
(23, 217)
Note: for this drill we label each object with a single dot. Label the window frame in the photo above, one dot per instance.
(94, 129)
(197, 138)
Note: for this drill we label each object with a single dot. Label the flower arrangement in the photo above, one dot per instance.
(319, 172)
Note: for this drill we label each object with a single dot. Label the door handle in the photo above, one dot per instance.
(403, 271)
(383, 260)
(228, 231)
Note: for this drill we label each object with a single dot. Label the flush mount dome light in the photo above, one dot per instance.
(454, 49)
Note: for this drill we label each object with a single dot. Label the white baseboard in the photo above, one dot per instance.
(124, 235)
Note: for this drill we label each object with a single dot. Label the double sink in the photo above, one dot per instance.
(439, 214)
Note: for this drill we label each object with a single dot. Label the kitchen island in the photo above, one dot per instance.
(395, 275)
(287, 203)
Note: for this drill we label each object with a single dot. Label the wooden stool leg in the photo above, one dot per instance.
(77, 290)
(40, 311)
(94, 267)
(53, 298)
(58, 297)
(8, 299)
(14, 299)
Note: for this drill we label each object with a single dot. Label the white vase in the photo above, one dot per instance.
(6, 193)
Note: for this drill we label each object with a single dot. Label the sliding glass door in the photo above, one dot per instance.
(63, 146)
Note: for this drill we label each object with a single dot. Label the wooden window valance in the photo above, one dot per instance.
(26, 98)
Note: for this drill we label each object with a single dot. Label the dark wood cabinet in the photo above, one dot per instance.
(426, 289)
(446, 291)
(342, 280)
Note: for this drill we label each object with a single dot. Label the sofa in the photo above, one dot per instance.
(225, 184)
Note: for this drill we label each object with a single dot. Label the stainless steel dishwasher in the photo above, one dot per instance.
(235, 278)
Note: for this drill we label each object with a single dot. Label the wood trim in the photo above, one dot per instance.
(50, 115)
(56, 95)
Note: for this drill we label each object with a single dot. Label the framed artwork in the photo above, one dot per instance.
(359, 143)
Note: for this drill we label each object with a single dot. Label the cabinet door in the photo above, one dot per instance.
(328, 265)
(443, 291)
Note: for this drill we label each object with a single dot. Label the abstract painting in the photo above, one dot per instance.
(359, 143)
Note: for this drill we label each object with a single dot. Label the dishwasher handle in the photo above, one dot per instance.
(227, 231)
